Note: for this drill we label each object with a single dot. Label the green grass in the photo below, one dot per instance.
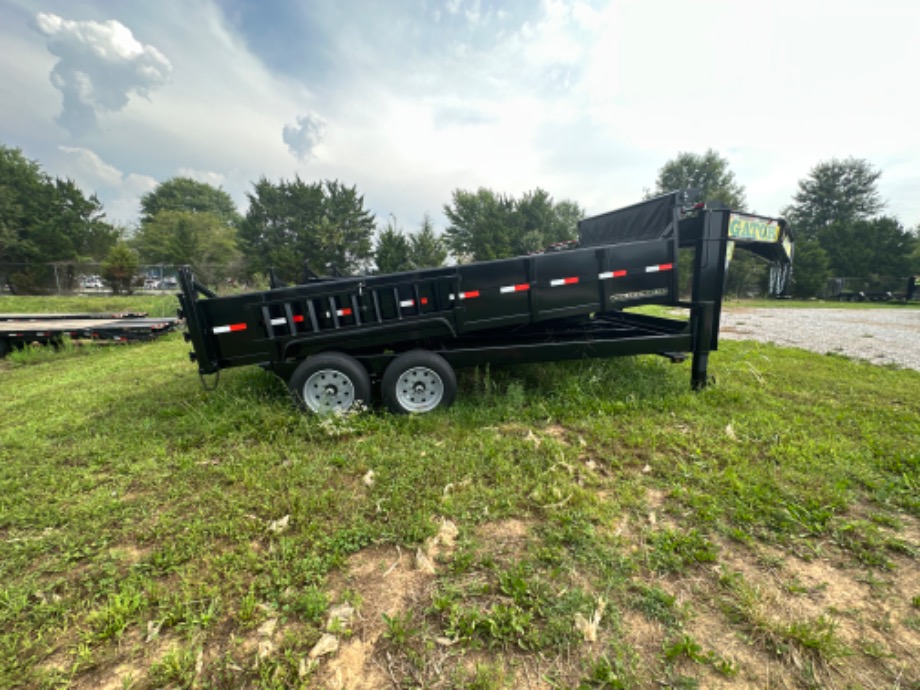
(154, 305)
(136, 512)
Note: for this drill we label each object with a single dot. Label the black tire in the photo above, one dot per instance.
(330, 382)
(418, 381)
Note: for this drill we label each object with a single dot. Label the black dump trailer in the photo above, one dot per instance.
(332, 338)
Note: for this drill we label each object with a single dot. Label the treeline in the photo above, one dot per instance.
(324, 225)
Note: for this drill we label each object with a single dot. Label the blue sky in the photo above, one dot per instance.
(411, 99)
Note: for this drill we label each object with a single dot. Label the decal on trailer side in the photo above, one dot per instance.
(751, 229)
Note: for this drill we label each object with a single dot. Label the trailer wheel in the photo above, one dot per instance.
(330, 382)
(418, 381)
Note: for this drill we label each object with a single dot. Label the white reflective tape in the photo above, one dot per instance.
(221, 329)
(451, 297)
(279, 321)
(407, 303)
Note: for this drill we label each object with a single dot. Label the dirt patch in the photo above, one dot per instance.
(385, 582)
(862, 615)
(382, 581)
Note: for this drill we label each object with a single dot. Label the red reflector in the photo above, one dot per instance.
(570, 281)
(424, 301)
(619, 274)
(524, 287)
(345, 312)
(298, 318)
(237, 327)
(665, 267)
(470, 295)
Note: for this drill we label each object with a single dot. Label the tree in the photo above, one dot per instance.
(837, 206)
(811, 269)
(392, 252)
(485, 225)
(291, 222)
(863, 248)
(427, 250)
(186, 194)
(707, 172)
(835, 191)
(199, 239)
(44, 220)
(120, 268)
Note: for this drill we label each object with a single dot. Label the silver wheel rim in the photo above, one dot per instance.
(329, 390)
(419, 389)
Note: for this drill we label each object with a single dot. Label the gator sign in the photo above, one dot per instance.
(751, 229)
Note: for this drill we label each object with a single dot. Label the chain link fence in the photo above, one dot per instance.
(69, 278)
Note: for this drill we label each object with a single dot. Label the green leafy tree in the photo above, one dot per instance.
(835, 191)
(199, 239)
(44, 220)
(292, 221)
(837, 206)
(392, 252)
(426, 249)
(120, 267)
(877, 247)
(812, 269)
(485, 225)
(708, 172)
(186, 194)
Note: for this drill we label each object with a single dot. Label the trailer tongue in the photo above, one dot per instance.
(331, 337)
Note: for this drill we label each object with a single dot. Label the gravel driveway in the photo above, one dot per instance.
(881, 336)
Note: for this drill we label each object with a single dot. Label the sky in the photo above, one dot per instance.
(409, 100)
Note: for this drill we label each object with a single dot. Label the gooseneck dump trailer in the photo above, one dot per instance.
(331, 338)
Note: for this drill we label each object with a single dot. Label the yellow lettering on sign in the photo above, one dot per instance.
(752, 229)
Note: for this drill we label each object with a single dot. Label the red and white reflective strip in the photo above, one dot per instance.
(230, 328)
(470, 294)
(338, 312)
(523, 287)
(406, 303)
(564, 281)
(611, 274)
(659, 267)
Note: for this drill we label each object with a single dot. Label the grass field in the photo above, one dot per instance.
(574, 525)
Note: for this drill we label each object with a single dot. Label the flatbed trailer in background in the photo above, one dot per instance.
(331, 338)
(19, 330)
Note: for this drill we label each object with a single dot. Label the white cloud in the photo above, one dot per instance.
(100, 64)
(122, 191)
(303, 137)
(215, 179)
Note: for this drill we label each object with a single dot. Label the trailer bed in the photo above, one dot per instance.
(17, 330)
